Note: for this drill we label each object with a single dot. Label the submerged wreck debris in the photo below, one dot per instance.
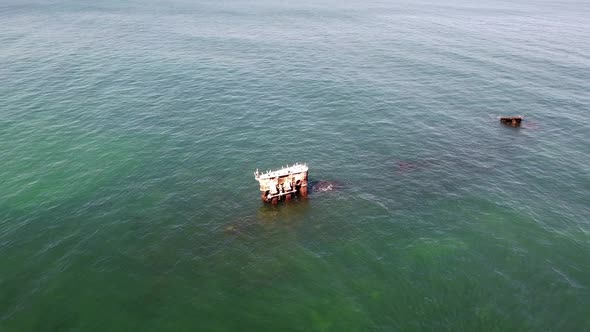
(240, 226)
(406, 166)
(283, 184)
(513, 121)
(410, 166)
(322, 186)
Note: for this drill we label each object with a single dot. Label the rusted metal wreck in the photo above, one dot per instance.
(513, 121)
(283, 184)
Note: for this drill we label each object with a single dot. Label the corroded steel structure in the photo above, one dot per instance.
(513, 121)
(283, 184)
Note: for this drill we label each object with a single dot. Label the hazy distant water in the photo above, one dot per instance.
(129, 131)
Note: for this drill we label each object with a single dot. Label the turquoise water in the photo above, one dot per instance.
(129, 131)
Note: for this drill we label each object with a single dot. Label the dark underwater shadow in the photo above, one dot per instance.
(286, 212)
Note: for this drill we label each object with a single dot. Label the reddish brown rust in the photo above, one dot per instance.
(513, 121)
(283, 184)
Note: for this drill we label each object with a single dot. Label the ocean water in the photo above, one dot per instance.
(130, 130)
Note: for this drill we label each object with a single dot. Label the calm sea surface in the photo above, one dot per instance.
(130, 130)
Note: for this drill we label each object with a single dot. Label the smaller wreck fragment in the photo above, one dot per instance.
(283, 184)
(513, 121)
(324, 186)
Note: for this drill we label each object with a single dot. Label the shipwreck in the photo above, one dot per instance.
(283, 184)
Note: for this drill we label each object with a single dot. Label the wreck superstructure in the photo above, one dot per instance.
(283, 184)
